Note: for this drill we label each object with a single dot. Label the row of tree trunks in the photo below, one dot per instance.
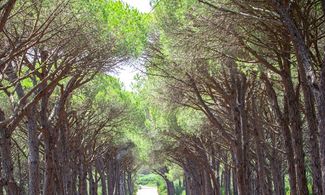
(307, 68)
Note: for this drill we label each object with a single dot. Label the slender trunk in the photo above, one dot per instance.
(101, 171)
(122, 183)
(49, 185)
(321, 114)
(282, 119)
(111, 177)
(240, 171)
(82, 178)
(207, 183)
(234, 181)
(321, 123)
(33, 154)
(21, 179)
(73, 187)
(49, 146)
(258, 134)
(170, 187)
(187, 184)
(130, 184)
(92, 186)
(117, 178)
(240, 120)
(1, 182)
(275, 165)
(297, 137)
(294, 119)
(96, 183)
(63, 155)
(313, 133)
(217, 187)
(7, 168)
(227, 180)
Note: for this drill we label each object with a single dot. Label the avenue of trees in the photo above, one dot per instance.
(230, 99)
(242, 85)
(61, 114)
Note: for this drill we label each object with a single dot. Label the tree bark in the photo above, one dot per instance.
(130, 183)
(263, 187)
(7, 177)
(304, 58)
(82, 178)
(234, 180)
(310, 113)
(101, 171)
(321, 122)
(33, 154)
(227, 180)
(8, 7)
(282, 119)
(240, 121)
(296, 131)
(49, 185)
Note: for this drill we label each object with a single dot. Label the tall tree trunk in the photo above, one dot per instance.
(63, 158)
(295, 124)
(82, 178)
(33, 154)
(111, 177)
(49, 147)
(238, 82)
(49, 185)
(240, 171)
(92, 182)
(207, 183)
(130, 183)
(282, 119)
(276, 165)
(101, 171)
(7, 168)
(227, 180)
(313, 133)
(263, 187)
(321, 114)
(305, 60)
(234, 181)
(117, 178)
(73, 187)
(217, 187)
(21, 179)
(321, 122)
(187, 183)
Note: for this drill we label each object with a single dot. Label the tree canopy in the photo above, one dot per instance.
(229, 97)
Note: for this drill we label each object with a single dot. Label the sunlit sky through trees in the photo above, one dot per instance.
(127, 73)
(141, 5)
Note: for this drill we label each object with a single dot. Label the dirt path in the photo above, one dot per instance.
(145, 190)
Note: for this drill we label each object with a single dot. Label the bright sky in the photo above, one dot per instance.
(141, 5)
(128, 71)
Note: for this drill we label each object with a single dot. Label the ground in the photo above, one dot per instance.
(145, 190)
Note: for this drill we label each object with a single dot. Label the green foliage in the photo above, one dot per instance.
(126, 25)
(190, 120)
